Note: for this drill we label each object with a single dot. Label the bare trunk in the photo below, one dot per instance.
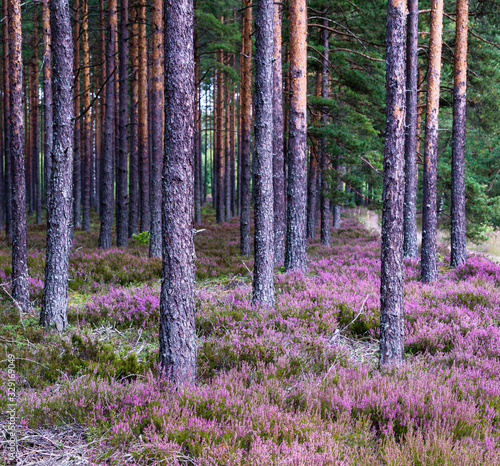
(157, 129)
(278, 155)
(295, 252)
(177, 319)
(325, 158)
(458, 237)
(108, 152)
(227, 158)
(55, 292)
(392, 266)
(77, 164)
(220, 154)
(197, 154)
(410, 245)
(429, 214)
(20, 292)
(7, 123)
(246, 109)
(145, 217)
(36, 124)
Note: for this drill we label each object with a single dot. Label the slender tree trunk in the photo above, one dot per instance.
(278, 155)
(177, 321)
(410, 245)
(7, 122)
(458, 237)
(313, 175)
(325, 158)
(227, 161)
(232, 171)
(145, 217)
(220, 155)
(263, 275)
(77, 170)
(108, 152)
(36, 124)
(197, 155)
(429, 218)
(157, 129)
(133, 218)
(246, 117)
(55, 292)
(87, 119)
(215, 123)
(47, 96)
(295, 252)
(392, 266)
(20, 291)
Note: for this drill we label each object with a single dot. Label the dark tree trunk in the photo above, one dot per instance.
(77, 164)
(263, 275)
(48, 130)
(108, 152)
(157, 114)
(337, 209)
(458, 237)
(392, 266)
(55, 292)
(246, 109)
(145, 217)
(215, 123)
(232, 139)
(325, 159)
(133, 217)
(7, 123)
(123, 146)
(87, 120)
(220, 154)
(177, 321)
(227, 159)
(410, 245)
(278, 155)
(36, 124)
(429, 214)
(295, 252)
(20, 291)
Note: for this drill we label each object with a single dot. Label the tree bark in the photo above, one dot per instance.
(295, 251)
(87, 119)
(232, 144)
(410, 245)
(325, 158)
(220, 153)
(458, 237)
(133, 218)
(157, 129)
(429, 215)
(108, 152)
(20, 292)
(7, 123)
(145, 217)
(278, 155)
(77, 164)
(177, 321)
(263, 275)
(36, 124)
(246, 116)
(48, 119)
(55, 292)
(312, 194)
(392, 266)
(227, 158)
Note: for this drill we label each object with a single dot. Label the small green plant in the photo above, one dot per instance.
(142, 237)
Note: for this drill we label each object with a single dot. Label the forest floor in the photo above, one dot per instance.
(295, 385)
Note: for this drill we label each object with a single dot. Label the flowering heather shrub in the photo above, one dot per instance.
(276, 386)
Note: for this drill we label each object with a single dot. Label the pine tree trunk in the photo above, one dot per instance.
(227, 159)
(220, 154)
(177, 311)
(48, 119)
(145, 216)
(295, 252)
(429, 214)
(20, 292)
(77, 171)
(392, 266)
(197, 154)
(7, 123)
(410, 245)
(87, 120)
(246, 116)
(263, 275)
(278, 155)
(133, 218)
(458, 237)
(325, 158)
(36, 124)
(108, 152)
(55, 292)
(312, 193)
(157, 129)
